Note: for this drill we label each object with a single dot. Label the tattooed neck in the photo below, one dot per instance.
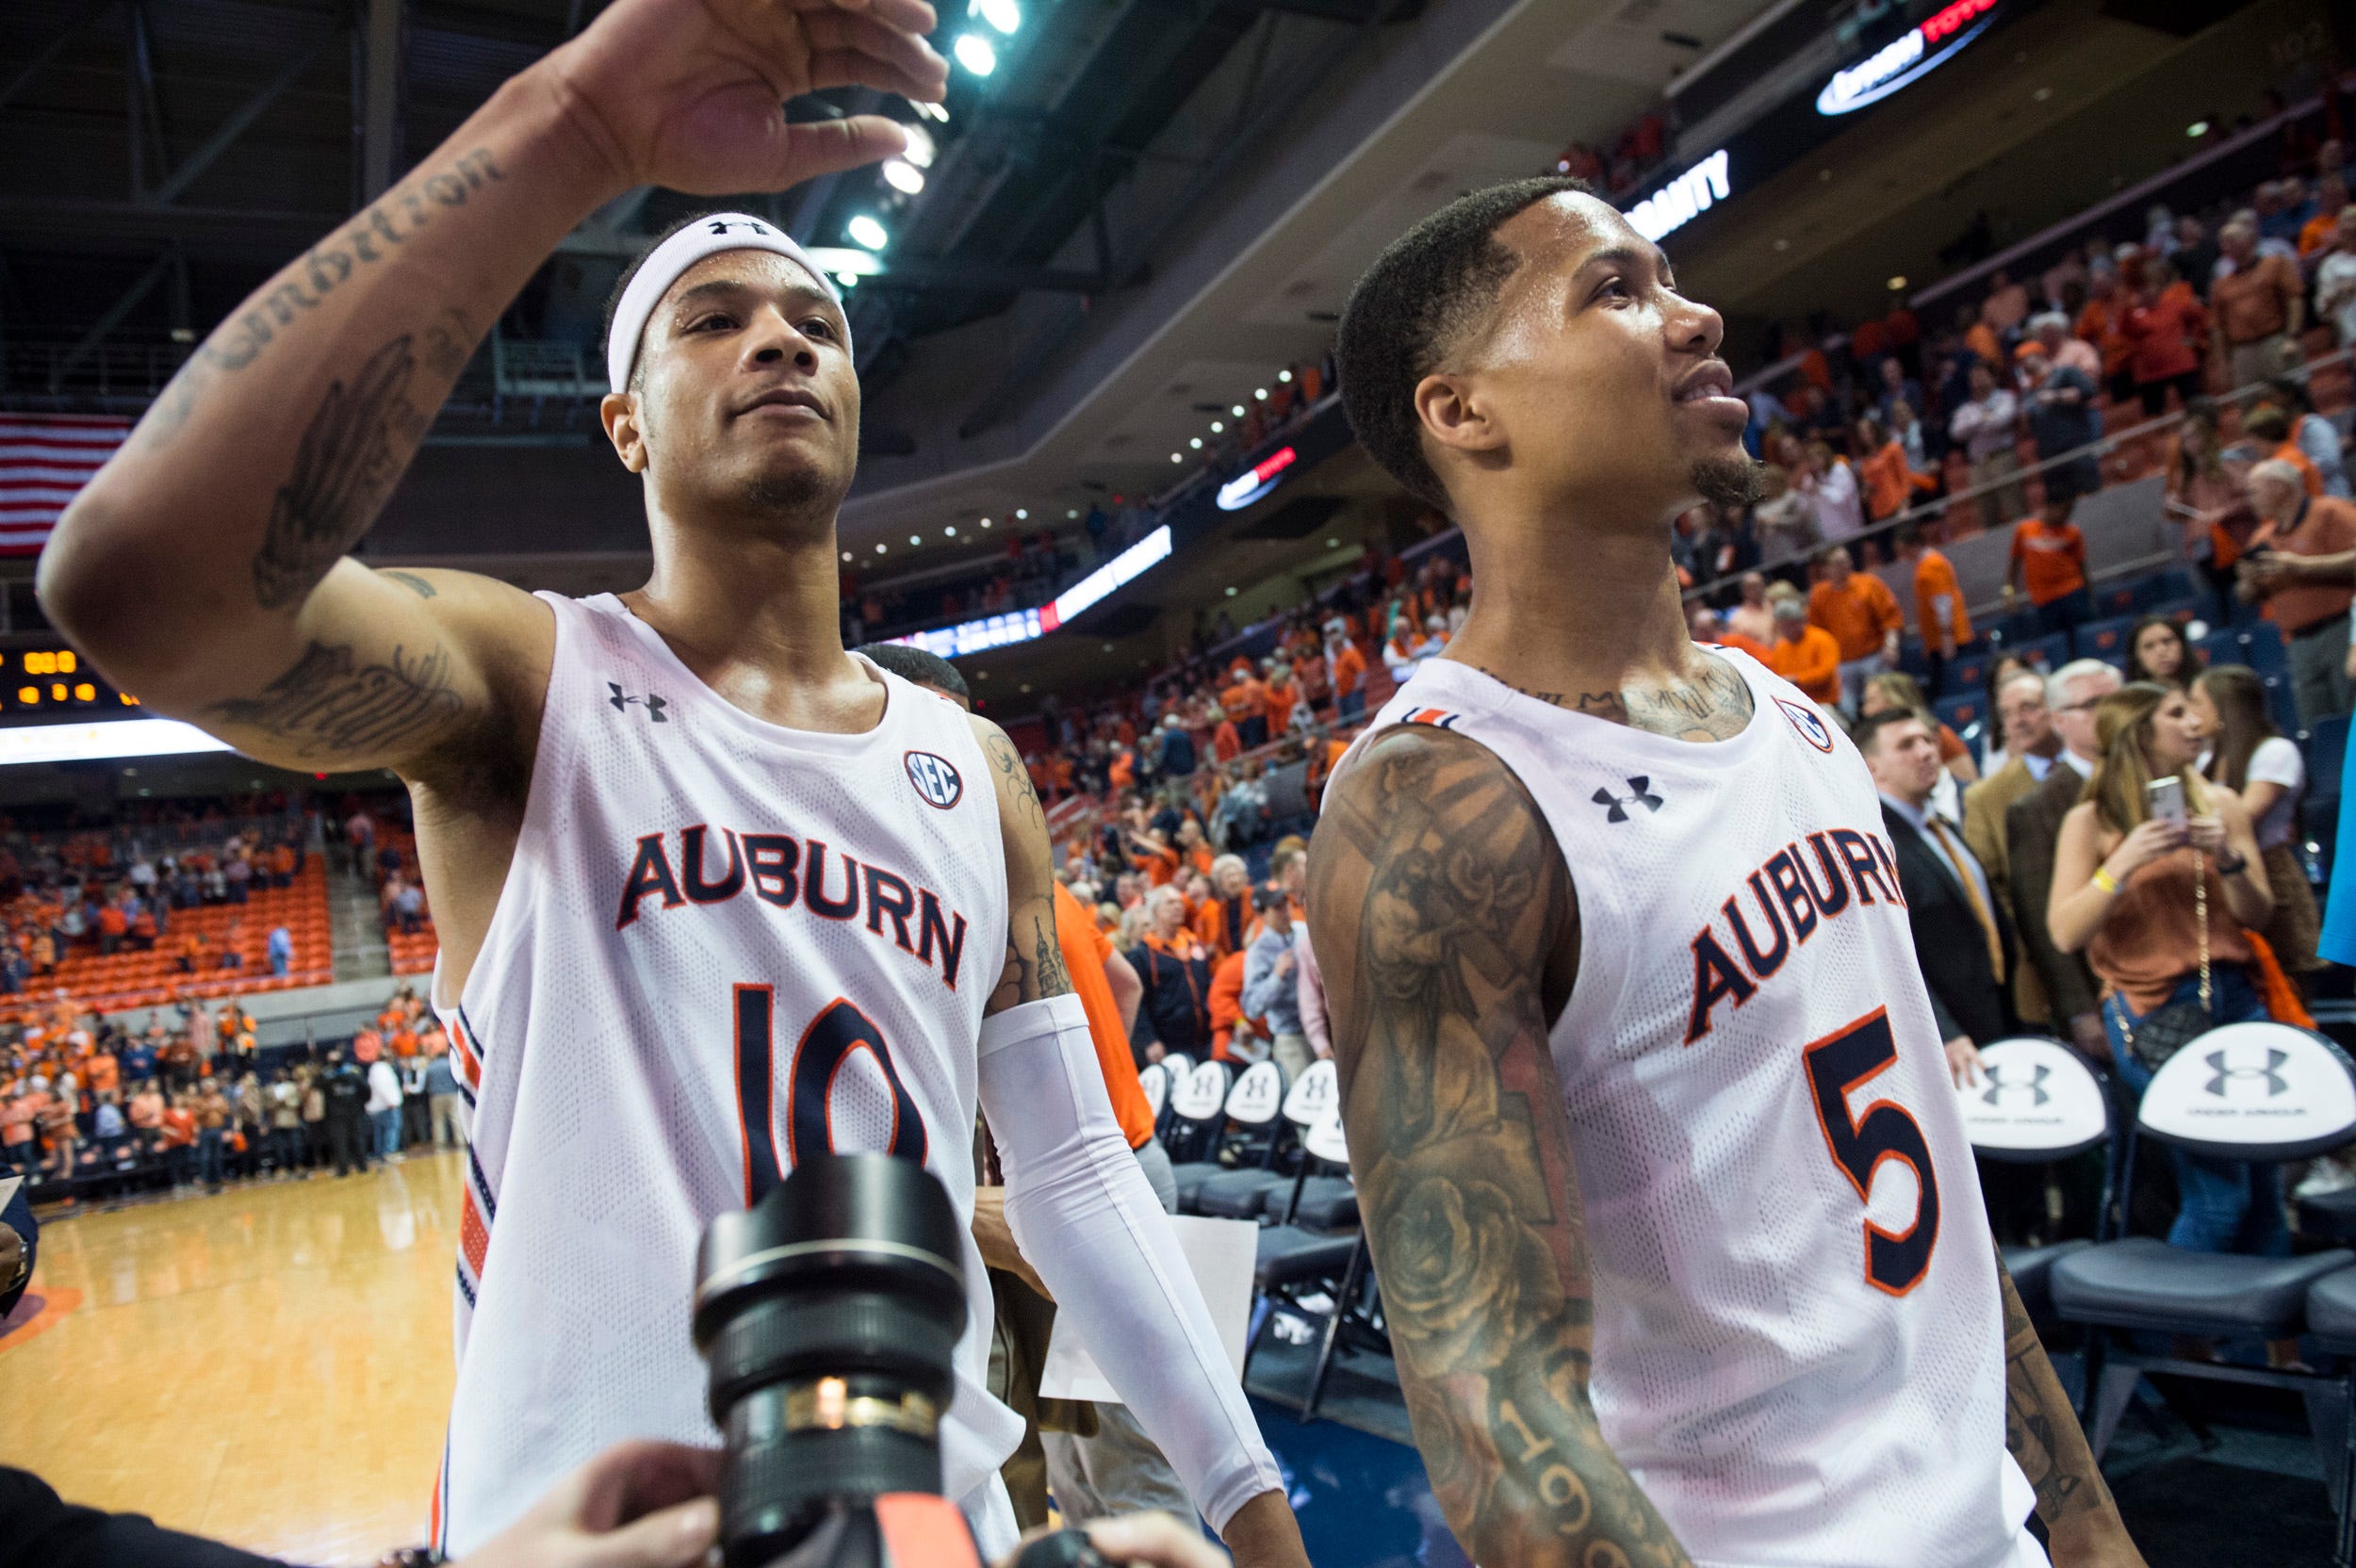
(1715, 705)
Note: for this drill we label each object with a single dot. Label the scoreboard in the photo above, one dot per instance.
(40, 684)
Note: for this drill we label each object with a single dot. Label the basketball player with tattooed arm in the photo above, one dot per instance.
(1673, 1213)
(712, 890)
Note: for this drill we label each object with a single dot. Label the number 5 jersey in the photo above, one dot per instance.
(1798, 1336)
(722, 944)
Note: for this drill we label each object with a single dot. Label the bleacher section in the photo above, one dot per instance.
(131, 979)
(412, 953)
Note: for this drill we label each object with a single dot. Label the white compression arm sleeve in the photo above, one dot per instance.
(1085, 1216)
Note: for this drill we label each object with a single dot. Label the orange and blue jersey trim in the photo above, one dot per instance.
(1439, 718)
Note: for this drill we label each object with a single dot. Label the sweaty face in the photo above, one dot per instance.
(746, 396)
(1598, 377)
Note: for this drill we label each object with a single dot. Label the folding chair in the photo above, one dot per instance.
(2038, 1103)
(1253, 1124)
(2262, 1092)
(1294, 1264)
(1154, 1081)
(1198, 1105)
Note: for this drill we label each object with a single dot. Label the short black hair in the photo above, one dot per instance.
(1867, 732)
(1424, 293)
(914, 663)
(621, 286)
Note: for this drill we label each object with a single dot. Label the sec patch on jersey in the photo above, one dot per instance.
(938, 783)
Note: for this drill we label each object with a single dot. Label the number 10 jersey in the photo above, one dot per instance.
(722, 944)
(1798, 1335)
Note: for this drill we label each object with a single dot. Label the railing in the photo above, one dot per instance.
(2099, 447)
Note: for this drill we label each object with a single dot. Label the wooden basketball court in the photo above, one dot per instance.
(270, 1366)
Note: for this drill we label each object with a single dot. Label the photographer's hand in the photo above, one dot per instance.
(637, 1504)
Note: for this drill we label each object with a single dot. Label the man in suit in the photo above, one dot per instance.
(1960, 939)
(2032, 748)
(2033, 827)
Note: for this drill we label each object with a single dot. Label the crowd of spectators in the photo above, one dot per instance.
(89, 1107)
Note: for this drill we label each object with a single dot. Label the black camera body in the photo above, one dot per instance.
(828, 1314)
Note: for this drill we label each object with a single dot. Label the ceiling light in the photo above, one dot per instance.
(1231, 593)
(1026, 688)
(985, 522)
(1196, 443)
(921, 147)
(848, 280)
(2042, 93)
(915, 539)
(1070, 513)
(1177, 457)
(1004, 15)
(974, 52)
(1021, 514)
(865, 230)
(903, 177)
(1332, 543)
(1783, 244)
(951, 531)
(2198, 128)
(880, 549)
(1216, 426)
(1237, 411)
(846, 555)
(1897, 282)
(1283, 375)
(1260, 393)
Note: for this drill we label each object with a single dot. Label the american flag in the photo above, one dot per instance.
(44, 459)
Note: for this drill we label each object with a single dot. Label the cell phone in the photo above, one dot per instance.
(2166, 799)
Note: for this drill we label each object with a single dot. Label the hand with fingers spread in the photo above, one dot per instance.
(690, 93)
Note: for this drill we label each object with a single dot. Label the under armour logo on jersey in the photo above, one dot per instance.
(1640, 793)
(2276, 1083)
(722, 225)
(655, 705)
(1999, 1086)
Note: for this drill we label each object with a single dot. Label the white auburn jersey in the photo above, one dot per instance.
(1798, 1334)
(721, 943)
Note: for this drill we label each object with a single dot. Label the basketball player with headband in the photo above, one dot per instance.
(711, 891)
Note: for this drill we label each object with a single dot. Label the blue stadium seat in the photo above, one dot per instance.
(2326, 748)
(2122, 598)
(2179, 611)
(2263, 651)
(1967, 673)
(2279, 705)
(2162, 589)
(2104, 639)
(2047, 653)
(2222, 646)
(1960, 711)
(1913, 661)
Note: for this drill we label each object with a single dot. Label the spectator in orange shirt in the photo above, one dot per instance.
(2322, 229)
(1245, 701)
(367, 1046)
(1224, 918)
(2049, 555)
(1227, 741)
(2257, 309)
(1227, 1015)
(1349, 673)
(1939, 615)
(1862, 614)
(1805, 655)
(1279, 697)
(1890, 482)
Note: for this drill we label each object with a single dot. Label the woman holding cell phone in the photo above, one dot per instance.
(2158, 878)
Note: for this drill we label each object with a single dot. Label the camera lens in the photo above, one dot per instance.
(828, 1313)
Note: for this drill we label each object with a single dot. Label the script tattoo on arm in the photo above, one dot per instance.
(349, 460)
(1440, 897)
(333, 706)
(1715, 705)
(1034, 966)
(2043, 1432)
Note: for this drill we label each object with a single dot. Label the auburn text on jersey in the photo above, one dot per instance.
(782, 870)
(1797, 888)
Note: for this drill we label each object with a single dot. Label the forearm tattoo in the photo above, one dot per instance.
(2041, 1428)
(1441, 895)
(1035, 966)
(330, 705)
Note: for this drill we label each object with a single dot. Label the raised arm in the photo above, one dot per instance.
(1444, 923)
(1080, 1209)
(204, 568)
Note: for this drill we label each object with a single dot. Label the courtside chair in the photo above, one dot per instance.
(2332, 1327)
(1154, 1082)
(1254, 1108)
(2037, 1103)
(1199, 1103)
(2263, 1092)
(1295, 1266)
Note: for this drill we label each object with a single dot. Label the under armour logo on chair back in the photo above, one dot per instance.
(2037, 1099)
(2254, 1091)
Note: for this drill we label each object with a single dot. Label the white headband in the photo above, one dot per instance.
(722, 231)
